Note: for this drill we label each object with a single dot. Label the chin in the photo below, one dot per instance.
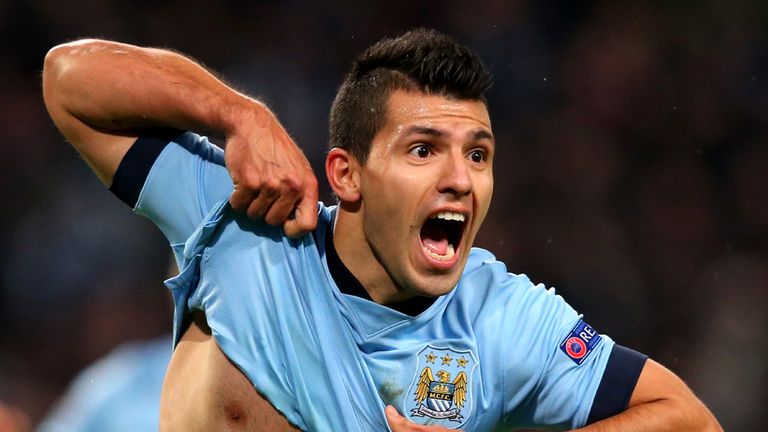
(437, 286)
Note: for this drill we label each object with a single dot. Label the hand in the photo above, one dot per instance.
(399, 423)
(272, 178)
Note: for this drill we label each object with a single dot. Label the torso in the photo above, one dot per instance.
(204, 391)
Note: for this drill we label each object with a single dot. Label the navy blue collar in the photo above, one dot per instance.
(348, 283)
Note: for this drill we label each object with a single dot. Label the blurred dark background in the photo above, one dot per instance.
(631, 170)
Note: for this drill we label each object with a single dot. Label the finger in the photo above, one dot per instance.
(281, 210)
(399, 423)
(242, 197)
(305, 216)
(396, 422)
(291, 192)
(261, 203)
(249, 184)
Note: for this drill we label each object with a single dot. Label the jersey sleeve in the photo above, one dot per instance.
(174, 179)
(617, 384)
(571, 375)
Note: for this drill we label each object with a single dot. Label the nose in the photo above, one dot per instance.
(455, 178)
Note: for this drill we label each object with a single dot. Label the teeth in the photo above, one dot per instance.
(448, 254)
(450, 216)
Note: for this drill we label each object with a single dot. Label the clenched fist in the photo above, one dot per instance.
(272, 178)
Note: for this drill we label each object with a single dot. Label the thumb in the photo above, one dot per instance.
(397, 422)
(305, 214)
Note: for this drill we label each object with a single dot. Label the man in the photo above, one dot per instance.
(383, 302)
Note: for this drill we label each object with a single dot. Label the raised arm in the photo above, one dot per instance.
(660, 402)
(101, 94)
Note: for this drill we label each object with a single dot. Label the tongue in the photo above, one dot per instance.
(434, 238)
(439, 247)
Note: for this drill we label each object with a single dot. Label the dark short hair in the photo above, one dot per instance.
(419, 60)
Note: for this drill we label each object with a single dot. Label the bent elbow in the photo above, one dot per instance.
(65, 75)
(55, 65)
(59, 60)
(52, 66)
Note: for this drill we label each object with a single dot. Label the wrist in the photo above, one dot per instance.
(245, 113)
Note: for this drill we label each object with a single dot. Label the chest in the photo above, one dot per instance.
(292, 328)
(433, 382)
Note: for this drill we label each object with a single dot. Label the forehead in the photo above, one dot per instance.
(407, 108)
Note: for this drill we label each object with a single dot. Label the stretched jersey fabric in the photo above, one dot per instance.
(496, 350)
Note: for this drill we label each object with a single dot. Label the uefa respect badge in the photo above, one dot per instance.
(580, 342)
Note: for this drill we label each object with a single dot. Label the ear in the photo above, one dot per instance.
(342, 170)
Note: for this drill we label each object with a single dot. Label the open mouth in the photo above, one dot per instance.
(441, 235)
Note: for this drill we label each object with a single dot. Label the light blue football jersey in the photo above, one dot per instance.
(495, 350)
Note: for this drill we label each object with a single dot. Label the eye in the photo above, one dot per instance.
(477, 156)
(421, 151)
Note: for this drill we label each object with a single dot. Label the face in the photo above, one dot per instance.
(425, 190)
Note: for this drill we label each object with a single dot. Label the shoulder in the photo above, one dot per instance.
(200, 146)
(225, 228)
(488, 287)
(486, 274)
(151, 151)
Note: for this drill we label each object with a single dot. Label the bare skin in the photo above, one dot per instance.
(204, 391)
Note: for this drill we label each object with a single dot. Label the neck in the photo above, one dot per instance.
(357, 256)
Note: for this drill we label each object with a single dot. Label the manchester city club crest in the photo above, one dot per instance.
(440, 392)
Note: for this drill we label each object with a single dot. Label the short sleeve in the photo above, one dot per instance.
(556, 363)
(572, 373)
(618, 383)
(174, 180)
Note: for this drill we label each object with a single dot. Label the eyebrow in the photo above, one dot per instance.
(482, 134)
(431, 131)
(425, 130)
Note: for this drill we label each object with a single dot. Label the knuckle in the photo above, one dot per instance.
(255, 212)
(274, 218)
(294, 182)
(250, 180)
(237, 201)
(311, 180)
(271, 184)
(291, 194)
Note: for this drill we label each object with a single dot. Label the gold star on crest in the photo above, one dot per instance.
(462, 362)
(431, 357)
(447, 359)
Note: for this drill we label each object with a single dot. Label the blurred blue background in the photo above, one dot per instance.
(631, 170)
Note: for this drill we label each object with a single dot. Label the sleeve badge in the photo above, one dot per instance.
(580, 342)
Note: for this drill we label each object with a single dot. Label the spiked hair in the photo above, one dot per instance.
(419, 60)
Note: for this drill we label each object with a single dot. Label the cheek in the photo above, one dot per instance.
(383, 201)
(401, 190)
(484, 192)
